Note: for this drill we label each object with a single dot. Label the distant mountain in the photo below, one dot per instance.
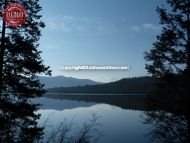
(61, 81)
(139, 85)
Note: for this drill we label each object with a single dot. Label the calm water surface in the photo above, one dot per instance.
(117, 125)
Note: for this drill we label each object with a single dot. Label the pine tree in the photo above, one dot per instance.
(169, 61)
(170, 56)
(20, 63)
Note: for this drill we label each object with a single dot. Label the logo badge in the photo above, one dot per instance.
(14, 14)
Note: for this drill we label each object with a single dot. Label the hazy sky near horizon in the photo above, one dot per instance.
(98, 32)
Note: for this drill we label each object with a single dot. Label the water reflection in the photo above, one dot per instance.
(117, 124)
(167, 127)
(60, 104)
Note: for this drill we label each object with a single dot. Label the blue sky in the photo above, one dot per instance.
(98, 32)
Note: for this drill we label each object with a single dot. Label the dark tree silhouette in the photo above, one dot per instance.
(170, 56)
(20, 62)
(169, 61)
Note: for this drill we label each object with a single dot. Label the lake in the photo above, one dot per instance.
(116, 124)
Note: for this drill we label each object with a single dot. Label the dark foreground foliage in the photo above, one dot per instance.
(20, 62)
(169, 61)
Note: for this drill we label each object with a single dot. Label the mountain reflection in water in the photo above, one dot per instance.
(117, 124)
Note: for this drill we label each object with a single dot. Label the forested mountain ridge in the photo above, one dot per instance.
(62, 81)
(137, 85)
